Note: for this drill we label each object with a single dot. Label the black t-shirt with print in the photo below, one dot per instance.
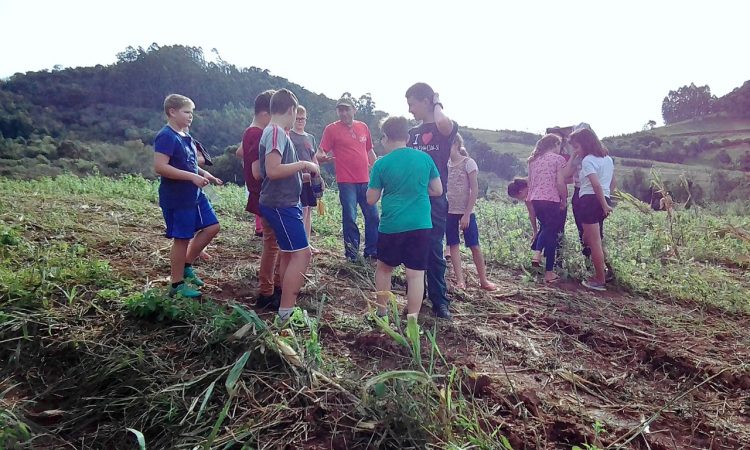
(427, 137)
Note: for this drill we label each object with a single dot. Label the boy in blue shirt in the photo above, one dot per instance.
(186, 209)
(405, 178)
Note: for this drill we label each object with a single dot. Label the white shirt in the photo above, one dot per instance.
(604, 168)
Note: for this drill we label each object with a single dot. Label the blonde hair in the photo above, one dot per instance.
(301, 109)
(459, 140)
(545, 144)
(176, 101)
(395, 128)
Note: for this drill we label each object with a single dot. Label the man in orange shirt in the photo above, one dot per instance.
(350, 143)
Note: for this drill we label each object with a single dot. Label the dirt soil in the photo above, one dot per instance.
(549, 360)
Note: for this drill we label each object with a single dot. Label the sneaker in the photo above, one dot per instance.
(267, 302)
(184, 290)
(191, 277)
(442, 312)
(593, 285)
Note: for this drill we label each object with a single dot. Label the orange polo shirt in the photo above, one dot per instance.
(350, 146)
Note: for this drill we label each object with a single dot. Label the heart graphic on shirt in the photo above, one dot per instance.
(426, 138)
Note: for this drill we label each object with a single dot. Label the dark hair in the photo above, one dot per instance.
(282, 100)
(516, 186)
(589, 142)
(420, 91)
(263, 101)
(396, 128)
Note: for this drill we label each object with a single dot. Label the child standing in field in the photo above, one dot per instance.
(405, 179)
(190, 219)
(462, 196)
(280, 193)
(306, 147)
(548, 194)
(597, 182)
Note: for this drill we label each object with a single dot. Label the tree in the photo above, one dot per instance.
(648, 126)
(687, 102)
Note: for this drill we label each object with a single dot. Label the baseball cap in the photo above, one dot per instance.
(345, 101)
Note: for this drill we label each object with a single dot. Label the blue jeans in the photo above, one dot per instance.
(351, 194)
(551, 221)
(435, 273)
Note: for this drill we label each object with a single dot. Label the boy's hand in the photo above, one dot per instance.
(324, 157)
(464, 223)
(305, 177)
(212, 179)
(312, 168)
(199, 180)
(436, 99)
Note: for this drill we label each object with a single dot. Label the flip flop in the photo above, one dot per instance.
(593, 285)
(553, 280)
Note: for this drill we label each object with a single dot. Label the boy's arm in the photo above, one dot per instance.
(443, 122)
(163, 169)
(276, 170)
(255, 169)
(435, 188)
(373, 195)
(473, 194)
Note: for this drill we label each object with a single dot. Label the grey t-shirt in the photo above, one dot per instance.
(304, 144)
(283, 192)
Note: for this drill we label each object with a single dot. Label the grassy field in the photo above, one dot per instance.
(94, 355)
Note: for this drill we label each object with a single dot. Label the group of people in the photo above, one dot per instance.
(425, 181)
(562, 157)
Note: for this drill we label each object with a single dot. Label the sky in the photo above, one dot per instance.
(497, 65)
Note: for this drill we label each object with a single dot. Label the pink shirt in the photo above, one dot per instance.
(350, 146)
(458, 185)
(543, 177)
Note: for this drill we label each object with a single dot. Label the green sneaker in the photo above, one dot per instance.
(191, 277)
(184, 290)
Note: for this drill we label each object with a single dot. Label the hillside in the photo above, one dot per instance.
(92, 347)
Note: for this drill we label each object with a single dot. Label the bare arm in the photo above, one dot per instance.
(612, 184)
(255, 169)
(163, 169)
(373, 195)
(562, 189)
(435, 188)
(276, 170)
(443, 122)
(239, 153)
(599, 192)
(371, 157)
(532, 217)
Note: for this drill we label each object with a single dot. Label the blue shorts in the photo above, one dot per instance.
(452, 227)
(288, 225)
(183, 223)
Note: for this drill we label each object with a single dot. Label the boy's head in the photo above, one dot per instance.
(263, 107)
(395, 132)
(179, 110)
(345, 110)
(284, 107)
(300, 119)
(419, 97)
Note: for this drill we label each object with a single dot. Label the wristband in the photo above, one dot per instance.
(438, 103)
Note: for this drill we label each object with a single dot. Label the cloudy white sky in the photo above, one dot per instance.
(517, 65)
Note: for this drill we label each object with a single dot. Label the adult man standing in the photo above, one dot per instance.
(351, 144)
(434, 136)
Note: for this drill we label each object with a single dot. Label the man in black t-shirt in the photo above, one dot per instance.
(434, 136)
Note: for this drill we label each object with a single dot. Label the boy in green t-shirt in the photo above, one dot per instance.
(405, 178)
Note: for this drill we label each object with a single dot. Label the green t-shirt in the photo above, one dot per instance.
(404, 175)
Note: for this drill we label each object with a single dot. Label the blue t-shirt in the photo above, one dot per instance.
(175, 194)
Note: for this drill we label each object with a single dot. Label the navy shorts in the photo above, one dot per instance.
(288, 225)
(409, 248)
(590, 210)
(183, 223)
(452, 227)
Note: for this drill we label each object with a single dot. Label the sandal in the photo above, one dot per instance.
(552, 280)
(593, 285)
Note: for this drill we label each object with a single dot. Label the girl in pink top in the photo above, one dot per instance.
(548, 194)
(462, 195)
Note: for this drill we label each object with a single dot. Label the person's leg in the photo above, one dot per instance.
(547, 213)
(258, 225)
(372, 221)
(348, 199)
(307, 219)
(576, 207)
(435, 273)
(594, 242)
(383, 274)
(268, 261)
(177, 259)
(200, 241)
(452, 242)
(415, 281)
(476, 253)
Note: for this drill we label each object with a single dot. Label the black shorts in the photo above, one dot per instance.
(409, 248)
(590, 210)
(307, 198)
